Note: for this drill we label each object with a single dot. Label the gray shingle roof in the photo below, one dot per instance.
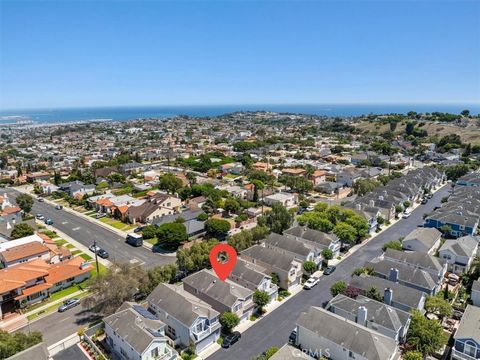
(247, 274)
(401, 294)
(273, 258)
(135, 329)
(427, 237)
(377, 312)
(180, 304)
(469, 326)
(225, 292)
(464, 246)
(350, 335)
(415, 258)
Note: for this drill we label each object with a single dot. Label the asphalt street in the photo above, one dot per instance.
(275, 327)
(85, 232)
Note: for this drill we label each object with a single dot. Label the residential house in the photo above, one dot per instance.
(194, 226)
(423, 240)
(467, 337)
(459, 253)
(37, 352)
(348, 176)
(372, 314)
(286, 266)
(132, 333)
(287, 200)
(33, 281)
(37, 176)
(9, 220)
(294, 172)
(319, 177)
(342, 339)
(77, 188)
(253, 277)
(429, 263)
(405, 275)
(321, 239)
(23, 253)
(129, 168)
(303, 251)
(189, 320)
(289, 352)
(399, 296)
(221, 295)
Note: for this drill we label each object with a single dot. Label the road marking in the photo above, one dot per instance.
(64, 222)
(76, 228)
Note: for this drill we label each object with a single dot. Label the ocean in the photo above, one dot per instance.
(68, 115)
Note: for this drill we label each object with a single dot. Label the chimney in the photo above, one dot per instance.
(387, 296)
(371, 203)
(362, 315)
(393, 276)
(380, 197)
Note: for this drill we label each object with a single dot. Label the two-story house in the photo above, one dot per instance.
(189, 320)
(342, 339)
(467, 338)
(459, 253)
(424, 240)
(287, 245)
(373, 314)
(286, 266)
(319, 238)
(132, 333)
(221, 295)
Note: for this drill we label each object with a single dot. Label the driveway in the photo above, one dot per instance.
(275, 327)
(85, 232)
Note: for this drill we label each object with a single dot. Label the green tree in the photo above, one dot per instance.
(364, 186)
(327, 254)
(413, 355)
(217, 228)
(171, 234)
(261, 299)
(424, 335)
(170, 183)
(409, 128)
(279, 219)
(338, 288)
(112, 288)
(229, 320)
(275, 278)
(309, 267)
(149, 231)
(345, 232)
(406, 204)
(21, 230)
(159, 274)
(374, 294)
(394, 244)
(57, 180)
(25, 202)
(12, 343)
(446, 229)
(232, 206)
(438, 306)
(360, 224)
(196, 257)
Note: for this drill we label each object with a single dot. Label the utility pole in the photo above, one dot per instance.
(96, 256)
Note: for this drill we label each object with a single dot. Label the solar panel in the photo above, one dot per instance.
(144, 312)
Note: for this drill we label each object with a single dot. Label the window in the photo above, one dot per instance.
(470, 349)
(171, 331)
(154, 352)
(351, 355)
(199, 327)
(70, 279)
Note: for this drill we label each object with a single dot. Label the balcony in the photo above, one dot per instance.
(203, 334)
(461, 356)
(169, 354)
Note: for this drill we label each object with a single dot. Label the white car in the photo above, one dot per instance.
(94, 248)
(406, 215)
(310, 283)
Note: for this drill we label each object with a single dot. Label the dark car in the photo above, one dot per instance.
(329, 270)
(41, 199)
(68, 304)
(231, 339)
(292, 339)
(49, 221)
(103, 254)
(429, 196)
(424, 201)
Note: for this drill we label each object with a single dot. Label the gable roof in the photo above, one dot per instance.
(427, 237)
(272, 258)
(350, 335)
(24, 251)
(247, 274)
(464, 246)
(416, 259)
(180, 304)
(469, 327)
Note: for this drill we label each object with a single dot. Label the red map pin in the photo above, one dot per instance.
(223, 268)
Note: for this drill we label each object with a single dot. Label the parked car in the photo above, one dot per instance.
(292, 339)
(329, 270)
(424, 201)
(40, 217)
(100, 215)
(310, 283)
(49, 221)
(103, 253)
(41, 199)
(231, 339)
(94, 248)
(429, 196)
(68, 304)
(58, 207)
(138, 229)
(406, 214)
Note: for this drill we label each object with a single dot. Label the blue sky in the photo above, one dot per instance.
(62, 54)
